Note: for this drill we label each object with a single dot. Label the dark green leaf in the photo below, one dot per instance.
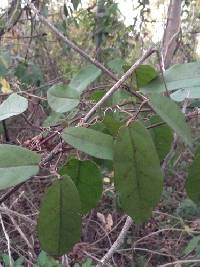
(112, 125)
(90, 141)
(138, 177)
(109, 125)
(193, 179)
(172, 115)
(162, 136)
(75, 3)
(29, 73)
(145, 74)
(17, 164)
(62, 98)
(97, 95)
(12, 106)
(88, 180)
(59, 222)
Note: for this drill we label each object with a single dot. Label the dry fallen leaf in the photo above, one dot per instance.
(109, 222)
(101, 218)
(5, 86)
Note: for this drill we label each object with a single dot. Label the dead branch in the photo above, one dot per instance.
(119, 83)
(117, 244)
(171, 32)
(75, 47)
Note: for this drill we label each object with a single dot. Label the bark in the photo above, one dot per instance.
(100, 13)
(172, 29)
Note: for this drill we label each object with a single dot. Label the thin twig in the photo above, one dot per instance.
(162, 72)
(69, 42)
(78, 49)
(8, 241)
(170, 154)
(156, 125)
(133, 118)
(10, 212)
(176, 263)
(118, 84)
(117, 244)
(23, 236)
(145, 250)
(10, 192)
(165, 230)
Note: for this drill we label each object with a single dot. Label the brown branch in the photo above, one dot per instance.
(118, 84)
(117, 244)
(69, 42)
(11, 12)
(178, 263)
(10, 192)
(172, 30)
(76, 48)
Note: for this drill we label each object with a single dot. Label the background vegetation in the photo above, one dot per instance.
(57, 61)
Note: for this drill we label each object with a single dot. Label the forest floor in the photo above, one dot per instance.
(172, 234)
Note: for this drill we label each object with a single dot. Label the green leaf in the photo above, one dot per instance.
(193, 244)
(62, 98)
(19, 262)
(5, 58)
(188, 210)
(45, 260)
(193, 179)
(172, 115)
(86, 76)
(29, 73)
(53, 119)
(138, 177)
(109, 125)
(3, 70)
(144, 74)
(90, 141)
(12, 106)
(177, 77)
(6, 260)
(189, 93)
(88, 180)
(17, 164)
(120, 96)
(116, 65)
(5, 62)
(97, 95)
(162, 137)
(59, 222)
(112, 125)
